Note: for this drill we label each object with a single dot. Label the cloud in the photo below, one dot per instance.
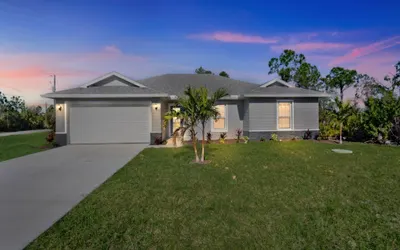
(366, 50)
(229, 37)
(35, 72)
(27, 74)
(312, 46)
(112, 49)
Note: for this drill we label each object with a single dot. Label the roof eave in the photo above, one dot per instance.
(88, 96)
(286, 95)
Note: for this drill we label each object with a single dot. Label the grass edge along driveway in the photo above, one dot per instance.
(287, 195)
(13, 146)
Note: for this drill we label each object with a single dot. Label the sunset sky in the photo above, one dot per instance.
(81, 41)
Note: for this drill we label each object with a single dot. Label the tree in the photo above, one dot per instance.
(207, 110)
(341, 115)
(189, 115)
(366, 86)
(224, 74)
(286, 65)
(307, 76)
(340, 79)
(201, 70)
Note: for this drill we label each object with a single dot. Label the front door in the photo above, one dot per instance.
(175, 123)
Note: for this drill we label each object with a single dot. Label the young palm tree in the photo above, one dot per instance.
(340, 116)
(207, 110)
(188, 114)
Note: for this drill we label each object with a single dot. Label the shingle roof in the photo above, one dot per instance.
(106, 90)
(277, 91)
(175, 84)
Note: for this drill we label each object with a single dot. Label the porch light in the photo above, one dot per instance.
(156, 106)
(59, 107)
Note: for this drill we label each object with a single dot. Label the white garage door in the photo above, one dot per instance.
(105, 124)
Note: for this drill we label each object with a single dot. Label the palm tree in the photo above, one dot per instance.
(188, 114)
(207, 110)
(340, 116)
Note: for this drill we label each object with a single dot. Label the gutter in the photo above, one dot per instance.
(54, 96)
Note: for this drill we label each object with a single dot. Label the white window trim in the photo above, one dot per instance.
(292, 115)
(226, 121)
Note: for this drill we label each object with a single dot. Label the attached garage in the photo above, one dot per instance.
(109, 122)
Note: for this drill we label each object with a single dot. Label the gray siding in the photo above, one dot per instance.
(235, 117)
(60, 117)
(164, 129)
(246, 112)
(156, 121)
(262, 114)
(306, 113)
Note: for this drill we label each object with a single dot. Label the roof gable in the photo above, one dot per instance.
(276, 82)
(113, 79)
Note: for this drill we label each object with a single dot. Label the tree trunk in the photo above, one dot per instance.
(341, 94)
(194, 142)
(340, 133)
(202, 141)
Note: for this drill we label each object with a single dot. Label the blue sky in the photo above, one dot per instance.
(79, 41)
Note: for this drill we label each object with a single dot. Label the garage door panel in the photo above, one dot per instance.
(109, 124)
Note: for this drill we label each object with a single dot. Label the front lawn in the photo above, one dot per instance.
(19, 145)
(287, 195)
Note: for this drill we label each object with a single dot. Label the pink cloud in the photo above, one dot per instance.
(366, 50)
(229, 37)
(112, 49)
(312, 46)
(35, 72)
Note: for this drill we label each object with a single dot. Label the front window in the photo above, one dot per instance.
(220, 123)
(285, 115)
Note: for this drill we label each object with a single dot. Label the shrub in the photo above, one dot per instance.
(209, 137)
(238, 134)
(274, 137)
(307, 135)
(262, 139)
(158, 140)
(50, 137)
(222, 138)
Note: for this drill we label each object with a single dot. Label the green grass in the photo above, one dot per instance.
(290, 195)
(18, 145)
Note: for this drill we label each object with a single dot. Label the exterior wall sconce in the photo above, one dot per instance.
(156, 106)
(59, 107)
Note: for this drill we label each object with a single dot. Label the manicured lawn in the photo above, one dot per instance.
(287, 195)
(18, 145)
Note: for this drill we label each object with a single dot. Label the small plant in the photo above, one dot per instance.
(158, 140)
(262, 139)
(307, 135)
(238, 134)
(209, 137)
(50, 137)
(54, 144)
(245, 139)
(274, 137)
(222, 138)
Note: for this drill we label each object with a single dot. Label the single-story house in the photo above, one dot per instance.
(116, 109)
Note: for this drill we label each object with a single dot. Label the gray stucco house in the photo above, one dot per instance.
(116, 109)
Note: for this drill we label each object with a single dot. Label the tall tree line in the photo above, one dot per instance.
(372, 114)
(15, 115)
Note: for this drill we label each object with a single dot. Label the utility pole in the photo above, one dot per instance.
(53, 88)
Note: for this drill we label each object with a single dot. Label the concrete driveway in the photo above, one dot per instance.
(36, 190)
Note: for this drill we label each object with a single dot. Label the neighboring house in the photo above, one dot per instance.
(116, 109)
